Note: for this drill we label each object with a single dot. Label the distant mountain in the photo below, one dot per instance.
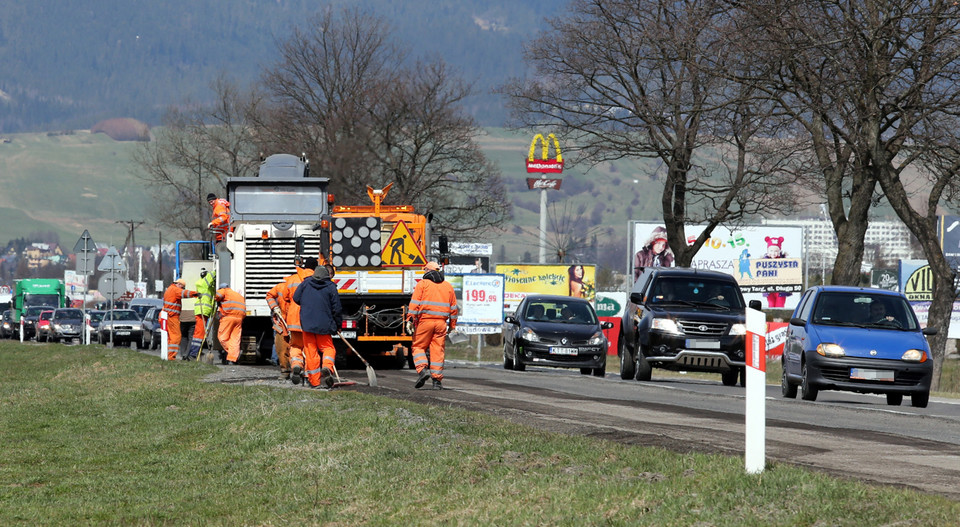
(69, 64)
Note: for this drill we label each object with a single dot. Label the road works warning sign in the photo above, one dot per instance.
(401, 249)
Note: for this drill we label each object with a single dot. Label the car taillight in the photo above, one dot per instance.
(349, 324)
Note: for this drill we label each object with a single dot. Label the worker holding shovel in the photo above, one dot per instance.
(321, 316)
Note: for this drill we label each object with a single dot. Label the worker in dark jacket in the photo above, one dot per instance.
(320, 317)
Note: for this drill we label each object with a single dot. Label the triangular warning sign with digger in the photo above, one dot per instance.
(402, 250)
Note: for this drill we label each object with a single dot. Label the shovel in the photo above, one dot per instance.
(371, 375)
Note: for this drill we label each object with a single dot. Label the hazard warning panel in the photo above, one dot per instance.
(401, 249)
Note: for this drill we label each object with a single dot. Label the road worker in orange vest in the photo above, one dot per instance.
(291, 315)
(321, 316)
(233, 309)
(172, 304)
(220, 222)
(433, 312)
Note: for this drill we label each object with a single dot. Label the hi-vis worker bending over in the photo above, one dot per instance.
(206, 287)
(220, 221)
(172, 304)
(233, 309)
(433, 309)
(289, 311)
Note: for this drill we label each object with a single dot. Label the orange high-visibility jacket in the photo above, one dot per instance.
(221, 218)
(434, 300)
(292, 314)
(232, 303)
(275, 297)
(173, 297)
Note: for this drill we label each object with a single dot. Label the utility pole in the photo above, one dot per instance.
(131, 240)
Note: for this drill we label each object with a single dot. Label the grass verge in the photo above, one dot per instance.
(92, 435)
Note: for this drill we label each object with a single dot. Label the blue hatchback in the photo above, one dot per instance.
(857, 340)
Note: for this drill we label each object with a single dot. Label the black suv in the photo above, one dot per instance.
(684, 319)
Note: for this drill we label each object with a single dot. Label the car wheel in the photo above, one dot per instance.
(586, 371)
(627, 369)
(743, 378)
(507, 361)
(729, 378)
(786, 389)
(601, 371)
(894, 399)
(140, 344)
(919, 399)
(808, 392)
(100, 339)
(518, 364)
(644, 369)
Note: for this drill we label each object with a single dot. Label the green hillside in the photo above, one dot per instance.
(67, 183)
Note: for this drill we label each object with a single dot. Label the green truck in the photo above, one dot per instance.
(31, 293)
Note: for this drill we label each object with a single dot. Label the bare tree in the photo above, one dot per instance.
(873, 85)
(342, 93)
(195, 152)
(622, 78)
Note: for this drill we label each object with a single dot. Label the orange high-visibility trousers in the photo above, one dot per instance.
(229, 335)
(430, 333)
(313, 345)
(283, 353)
(173, 337)
(295, 350)
(199, 330)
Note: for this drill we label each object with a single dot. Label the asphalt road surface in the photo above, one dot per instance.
(850, 435)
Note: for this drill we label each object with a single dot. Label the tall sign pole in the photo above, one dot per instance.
(544, 166)
(86, 253)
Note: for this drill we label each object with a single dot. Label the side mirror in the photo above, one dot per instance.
(636, 298)
(755, 304)
(798, 321)
(509, 319)
(930, 331)
(606, 325)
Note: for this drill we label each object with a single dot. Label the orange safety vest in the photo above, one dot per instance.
(433, 300)
(173, 297)
(292, 314)
(232, 303)
(275, 297)
(221, 218)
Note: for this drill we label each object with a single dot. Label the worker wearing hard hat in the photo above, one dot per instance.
(433, 312)
(233, 309)
(172, 304)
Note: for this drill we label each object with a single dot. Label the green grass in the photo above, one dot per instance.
(109, 436)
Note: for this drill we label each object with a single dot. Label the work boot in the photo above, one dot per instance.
(424, 375)
(326, 377)
(297, 376)
(437, 385)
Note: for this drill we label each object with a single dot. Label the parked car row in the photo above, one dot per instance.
(122, 327)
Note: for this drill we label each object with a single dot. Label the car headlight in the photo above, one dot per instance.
(528, 335)
(738, 329)
(596, 339)
(57, 327)
(830, 350)
(914, 356)
(667, 325)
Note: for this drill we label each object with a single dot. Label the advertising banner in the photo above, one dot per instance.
(884, 279)
(767, 261)
(480, 300)
(545, 165)
(521, 280)
(916, 282)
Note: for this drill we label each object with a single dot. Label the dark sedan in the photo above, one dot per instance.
(121, 326)
(555, 331)
(8, 328)
(30, 316)
(150, 338)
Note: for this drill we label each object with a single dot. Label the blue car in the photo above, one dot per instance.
(857, 340)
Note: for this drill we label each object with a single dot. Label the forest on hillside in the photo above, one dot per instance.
(69, 64)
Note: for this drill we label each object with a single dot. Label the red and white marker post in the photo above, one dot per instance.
(163, 336)
(756, 376)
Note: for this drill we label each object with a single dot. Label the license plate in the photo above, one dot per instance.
(703, 344)
(871, 375)
(122, 333)
(555, 350)
(349, 334)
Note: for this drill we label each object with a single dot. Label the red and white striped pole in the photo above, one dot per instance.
(163, 336)
(756, 376)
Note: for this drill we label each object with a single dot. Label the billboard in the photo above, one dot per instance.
(521, 280)
(916, 282)
(767, 261)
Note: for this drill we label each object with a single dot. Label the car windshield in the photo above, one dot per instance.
(698, 292)
(125, 315)
(864, 309)
(67, 314)
(565, 312)
(95, 316)
(34, 311)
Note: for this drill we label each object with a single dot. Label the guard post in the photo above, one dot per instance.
(756, 377)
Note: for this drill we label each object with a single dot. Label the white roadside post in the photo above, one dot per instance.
(163, 336)
(756, 376)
